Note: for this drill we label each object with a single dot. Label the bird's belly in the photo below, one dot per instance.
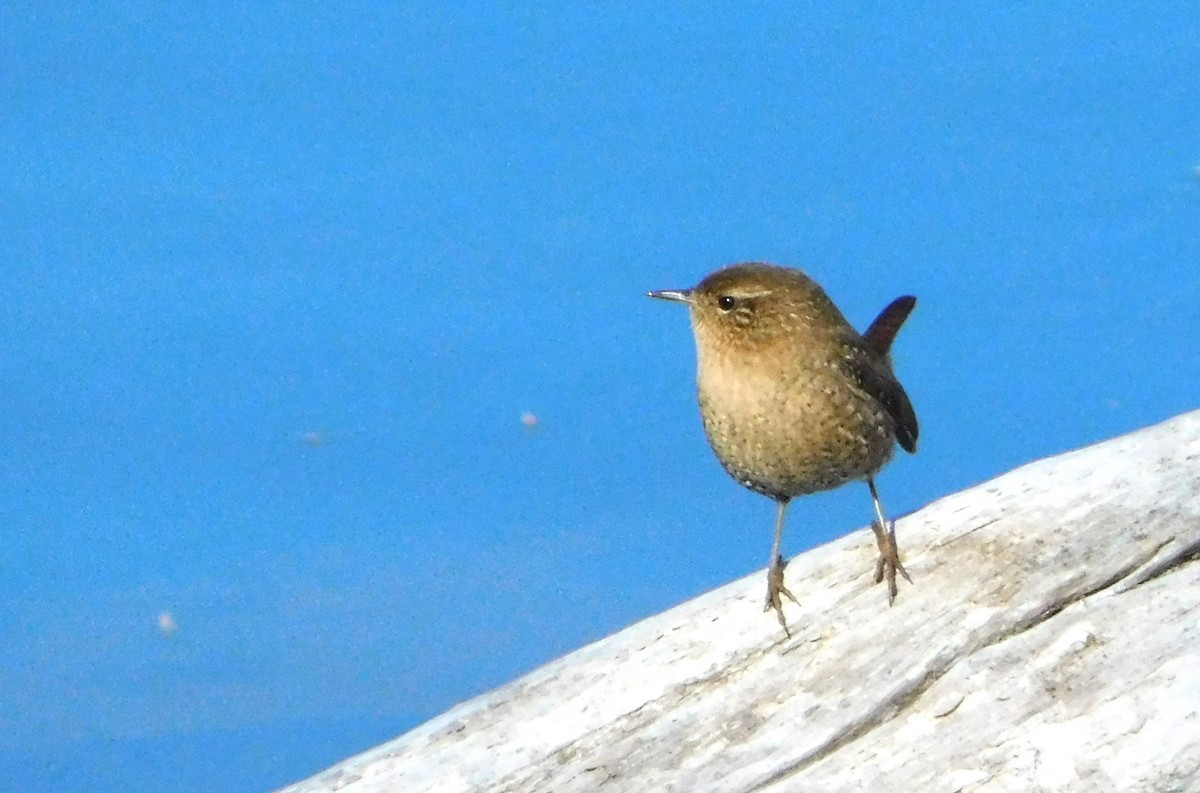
(793, 442)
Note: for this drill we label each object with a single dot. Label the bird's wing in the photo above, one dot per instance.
(876, 379)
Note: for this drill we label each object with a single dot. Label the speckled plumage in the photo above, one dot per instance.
(784, 384)
(793, 399)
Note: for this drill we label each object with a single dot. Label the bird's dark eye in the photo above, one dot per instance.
(726, 302)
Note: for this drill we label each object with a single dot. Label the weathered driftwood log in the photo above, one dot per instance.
(1051, 642)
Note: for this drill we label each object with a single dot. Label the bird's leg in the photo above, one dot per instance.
(775, 587)
(889, 554)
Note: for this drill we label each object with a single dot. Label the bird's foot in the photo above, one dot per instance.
(888, 563)
(775, 591)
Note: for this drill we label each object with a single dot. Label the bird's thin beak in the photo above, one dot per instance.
(678, 295)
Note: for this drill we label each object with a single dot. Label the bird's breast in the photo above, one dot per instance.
(786, 431)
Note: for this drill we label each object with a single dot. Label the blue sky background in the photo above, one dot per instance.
(400, 226)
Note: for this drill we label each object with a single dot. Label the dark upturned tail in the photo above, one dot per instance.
(882, 332)
(879, 338)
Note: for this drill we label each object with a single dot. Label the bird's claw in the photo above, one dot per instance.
(889, 562)
(776, 589)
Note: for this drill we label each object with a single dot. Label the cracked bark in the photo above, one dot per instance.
(1052, 642)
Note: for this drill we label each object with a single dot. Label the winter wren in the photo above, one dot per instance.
(793, 399)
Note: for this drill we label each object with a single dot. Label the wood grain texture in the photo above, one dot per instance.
(1051, 642)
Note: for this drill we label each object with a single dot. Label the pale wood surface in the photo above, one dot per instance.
(1051, 642)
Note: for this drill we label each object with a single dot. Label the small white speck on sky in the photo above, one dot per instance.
(167, 626)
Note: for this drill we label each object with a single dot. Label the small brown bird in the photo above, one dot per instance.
(793, 399)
